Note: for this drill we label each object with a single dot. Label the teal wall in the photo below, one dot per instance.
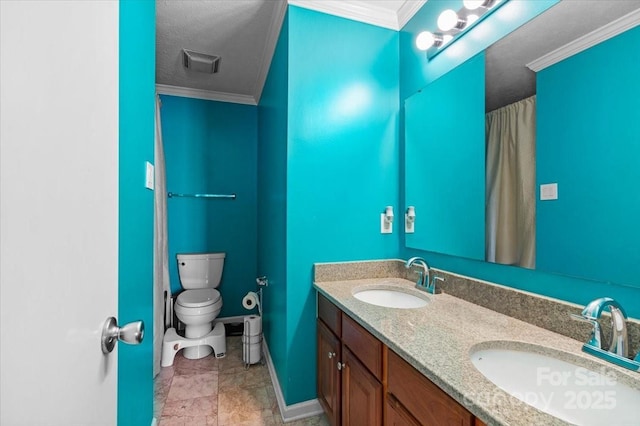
(329, 160)
(588, 105)
(449, 203)
(343, 163)
(272, 201)
(135, 236)
(415, 73)
(212, 147)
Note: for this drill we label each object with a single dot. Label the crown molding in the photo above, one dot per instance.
(353, 10)
(603, 33)
(407, 10)
(186, 92)
(269, 49)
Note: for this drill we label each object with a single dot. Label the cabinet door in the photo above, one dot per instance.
(328, 374)
(361, 393)
(424, 400)
(396, 415)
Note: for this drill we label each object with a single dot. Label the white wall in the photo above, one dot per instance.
(58, 210)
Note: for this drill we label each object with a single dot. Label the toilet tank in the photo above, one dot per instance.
(200, 270)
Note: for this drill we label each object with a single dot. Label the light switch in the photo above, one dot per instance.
(150, 176)
(549, 191)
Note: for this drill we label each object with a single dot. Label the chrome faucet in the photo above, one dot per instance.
(619, 339)
(618, 350)
(424, 277)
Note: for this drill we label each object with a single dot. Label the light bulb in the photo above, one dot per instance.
(425, 40)
(472, 4)
(447, 20)
(471, 19)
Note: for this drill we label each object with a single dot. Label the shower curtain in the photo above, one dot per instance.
(511, 174)
(161, 288)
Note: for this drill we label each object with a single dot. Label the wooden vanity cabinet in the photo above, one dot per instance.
(349, 369)
(362, 382)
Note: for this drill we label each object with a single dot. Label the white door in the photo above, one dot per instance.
(58, 211)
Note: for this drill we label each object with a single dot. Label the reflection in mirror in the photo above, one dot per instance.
(586, 121)
(443, 178)
(511, 184)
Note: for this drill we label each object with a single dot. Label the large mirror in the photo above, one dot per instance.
(534, 169)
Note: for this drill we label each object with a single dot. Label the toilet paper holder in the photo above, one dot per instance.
(262, 281)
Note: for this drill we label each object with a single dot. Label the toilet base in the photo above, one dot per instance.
(172, 343)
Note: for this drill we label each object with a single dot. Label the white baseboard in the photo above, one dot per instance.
(292, 412)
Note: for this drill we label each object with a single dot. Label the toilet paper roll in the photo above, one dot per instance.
(252, 325)
(251, 340)
(251, 353)
(251, 300)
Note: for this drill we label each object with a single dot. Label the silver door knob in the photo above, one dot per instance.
(132, 333)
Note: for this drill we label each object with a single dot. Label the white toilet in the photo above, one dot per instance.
(197, 306)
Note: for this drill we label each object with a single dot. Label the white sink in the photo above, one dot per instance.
(390, 297)
(571, 392)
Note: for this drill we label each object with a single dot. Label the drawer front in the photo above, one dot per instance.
(330, 315)
(429, 404)
(363, 344)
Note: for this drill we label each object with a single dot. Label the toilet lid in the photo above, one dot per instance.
(198, 298)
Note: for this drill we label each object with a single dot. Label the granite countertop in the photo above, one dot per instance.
(437, 340)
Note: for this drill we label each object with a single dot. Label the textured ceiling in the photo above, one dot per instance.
(508, 79)
(235, 30)
(243, 33)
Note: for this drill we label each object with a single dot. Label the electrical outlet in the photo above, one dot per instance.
(385, 227)
(409, 225)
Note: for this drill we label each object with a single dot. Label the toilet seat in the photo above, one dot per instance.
(198, 298)
(198, 302)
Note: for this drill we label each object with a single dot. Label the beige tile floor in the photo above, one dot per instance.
(219, 392)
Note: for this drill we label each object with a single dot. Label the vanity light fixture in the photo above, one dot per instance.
(452, 24)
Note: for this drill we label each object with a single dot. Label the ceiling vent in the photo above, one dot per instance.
(200, 62)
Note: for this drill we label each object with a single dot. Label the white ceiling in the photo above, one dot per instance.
(244, 34)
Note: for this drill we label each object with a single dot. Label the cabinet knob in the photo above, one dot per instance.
(341, 365)
(332, 354)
